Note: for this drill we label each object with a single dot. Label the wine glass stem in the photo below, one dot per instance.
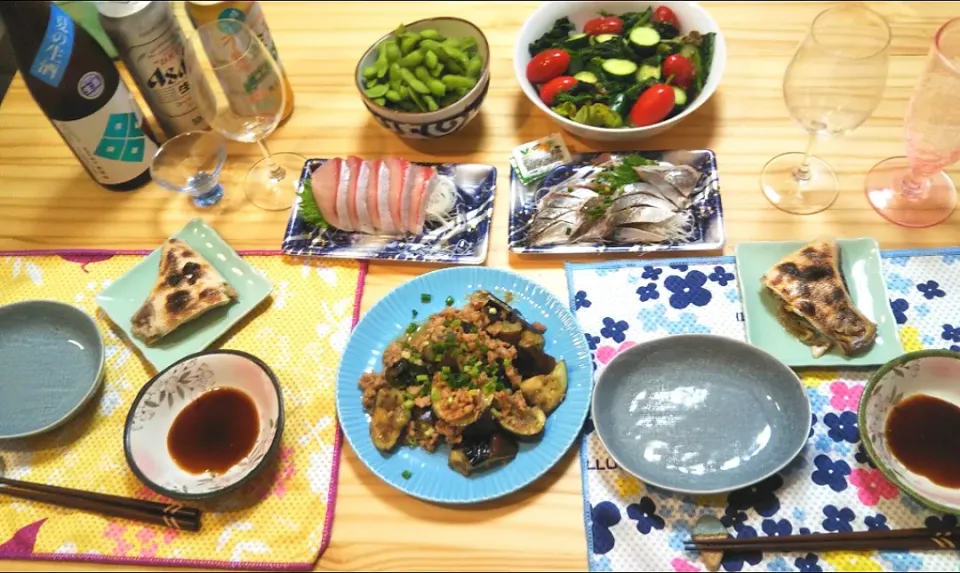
(802, 172)
(276, 172)
(914, 184)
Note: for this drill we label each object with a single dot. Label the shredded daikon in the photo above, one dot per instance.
(442, 199)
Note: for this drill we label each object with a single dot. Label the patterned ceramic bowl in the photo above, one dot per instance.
(446, 120)
(933, 373)
(161, 402)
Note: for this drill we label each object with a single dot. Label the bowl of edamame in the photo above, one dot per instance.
(426, 79)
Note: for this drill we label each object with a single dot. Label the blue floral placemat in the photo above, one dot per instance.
(830, 487)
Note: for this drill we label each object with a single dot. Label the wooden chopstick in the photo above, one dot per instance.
(897, 539)
(173, 516)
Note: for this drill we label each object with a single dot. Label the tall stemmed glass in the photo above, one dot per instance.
(832, 85)
(913, 191)
(242, 95)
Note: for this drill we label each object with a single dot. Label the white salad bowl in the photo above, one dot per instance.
(691, 15)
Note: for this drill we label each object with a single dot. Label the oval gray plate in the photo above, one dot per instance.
(700, 414)
(52, 364)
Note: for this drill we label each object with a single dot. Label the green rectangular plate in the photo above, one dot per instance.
(123, 298)
(862, 269)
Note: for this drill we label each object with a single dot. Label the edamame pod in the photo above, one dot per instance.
(412, 60)
(408, 42)
(393, 96)
(393, 51)
(380, 101)
(422, 74)
(454, 81)
(454, 53)
(370, 72)
(431, 103)
(474, 67)
(429, 59)
(376, 91)
(468, 43)
(394, 72)
(430, 34)
(437, 70)
(382, 63)
(404, 92)
(418, 100)
(412, 81)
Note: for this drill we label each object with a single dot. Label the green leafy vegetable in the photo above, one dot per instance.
(554, 38)
(566, 108)
(703, 59)
(309, 210)
(624, 174)
(598, 115)
(633, 19)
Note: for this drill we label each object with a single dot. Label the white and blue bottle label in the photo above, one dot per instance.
(52, 58)
(109, 141)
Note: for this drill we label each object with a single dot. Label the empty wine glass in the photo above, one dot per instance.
(241, 94)
(913, 191)
(191, 163)
(832, 85)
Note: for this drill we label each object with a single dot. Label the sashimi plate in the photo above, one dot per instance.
(706, 210)
(463, 240)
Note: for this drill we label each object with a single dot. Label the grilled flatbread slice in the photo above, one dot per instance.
(815, 305)
(187, 287)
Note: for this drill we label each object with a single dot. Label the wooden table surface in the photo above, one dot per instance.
(47, 201)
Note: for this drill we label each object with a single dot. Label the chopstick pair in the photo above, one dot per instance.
(173, 516)
(894, 540)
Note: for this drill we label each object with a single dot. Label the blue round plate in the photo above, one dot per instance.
(429, 476)
(52, 365)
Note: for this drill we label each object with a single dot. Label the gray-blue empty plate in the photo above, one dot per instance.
(700, 414)
(51, 365)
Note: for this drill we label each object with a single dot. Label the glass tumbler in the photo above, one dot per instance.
(190, 163)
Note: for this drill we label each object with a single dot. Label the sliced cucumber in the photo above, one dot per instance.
(679, 97)
(688, 50)
(618, 67)
(644, 41)
(578, 41)
(604, 38)
(586, 77)
(647, 72)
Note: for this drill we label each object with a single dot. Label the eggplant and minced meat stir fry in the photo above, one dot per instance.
(477, 378)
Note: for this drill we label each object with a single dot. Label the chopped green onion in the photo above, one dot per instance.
(412, 327)
(425, 298)
(406, 474)
(435, 395)
(484, 349)
(449, 301)
(423, 378)
(413, 313)
(446, 370)
(455, 323)
(507, 362)
(493, 310)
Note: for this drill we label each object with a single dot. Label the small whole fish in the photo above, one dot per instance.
(609, 201)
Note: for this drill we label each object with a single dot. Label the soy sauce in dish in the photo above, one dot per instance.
(923, 432)
(214, 432)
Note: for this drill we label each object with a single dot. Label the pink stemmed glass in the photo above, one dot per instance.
(913, 191)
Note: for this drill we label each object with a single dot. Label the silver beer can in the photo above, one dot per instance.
(150, 43)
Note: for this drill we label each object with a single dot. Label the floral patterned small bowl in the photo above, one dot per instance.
(169, 392)
(931, 372)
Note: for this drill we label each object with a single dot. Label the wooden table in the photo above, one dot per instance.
(47, 201)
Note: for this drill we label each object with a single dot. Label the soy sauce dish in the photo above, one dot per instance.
(910, 421)
(204, 426)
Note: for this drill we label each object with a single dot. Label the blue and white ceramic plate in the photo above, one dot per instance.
(463, 241)
(707, 210)
(428, 476)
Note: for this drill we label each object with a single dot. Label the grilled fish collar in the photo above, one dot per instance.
(810, 285)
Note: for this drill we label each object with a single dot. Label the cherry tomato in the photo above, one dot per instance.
(604, 25)
(664, 14)
(549, 90)
(680, 68)
(653, 105)
(547, 65)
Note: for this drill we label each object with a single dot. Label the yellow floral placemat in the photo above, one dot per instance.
(283, 519)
